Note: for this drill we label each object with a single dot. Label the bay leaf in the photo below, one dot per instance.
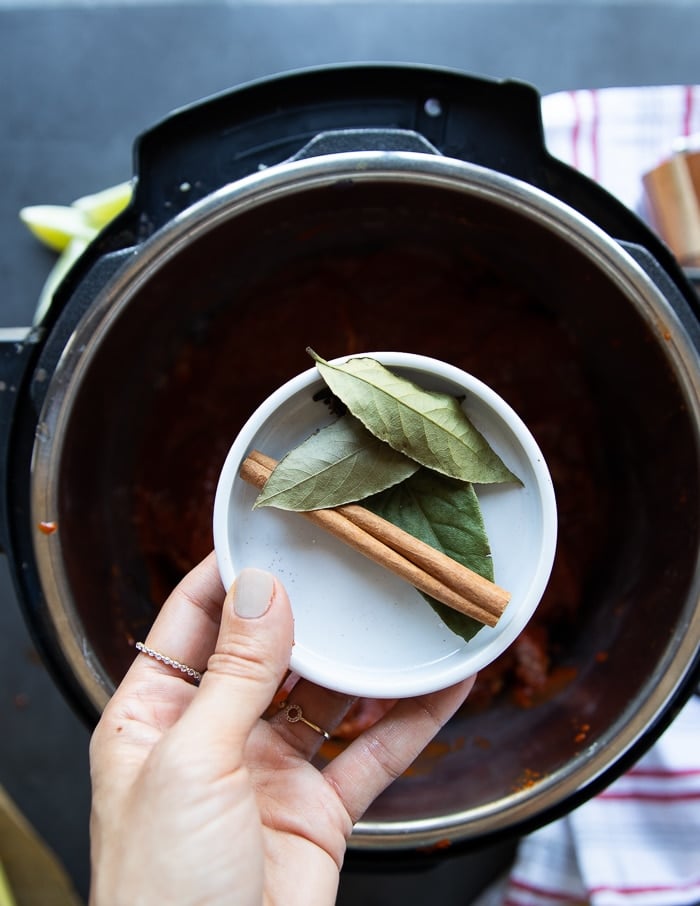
(430, 427)
(340, 463)
(444, 513)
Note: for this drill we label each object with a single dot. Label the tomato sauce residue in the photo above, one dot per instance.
(581, 732)
(433, 752)
(47, 528)
(527, 780)
(438, 846)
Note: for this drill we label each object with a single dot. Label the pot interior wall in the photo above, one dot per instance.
(364, 267)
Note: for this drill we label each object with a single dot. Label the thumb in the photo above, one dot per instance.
(249, 661)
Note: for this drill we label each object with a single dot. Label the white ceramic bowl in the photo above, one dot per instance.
(358, 628)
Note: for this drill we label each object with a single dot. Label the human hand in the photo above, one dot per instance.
(196, 799)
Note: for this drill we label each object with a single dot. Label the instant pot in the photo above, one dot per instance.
(375, 207)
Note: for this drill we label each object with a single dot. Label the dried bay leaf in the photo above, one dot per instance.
(341, 463)
(429, 427)
(445, 514)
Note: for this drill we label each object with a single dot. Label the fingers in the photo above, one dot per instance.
(250, 658)
(386, 750)
(186, 627)
(152, 695)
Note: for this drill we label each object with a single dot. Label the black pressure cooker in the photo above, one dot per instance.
(385, 207)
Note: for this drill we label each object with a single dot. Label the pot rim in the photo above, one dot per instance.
(262, 188)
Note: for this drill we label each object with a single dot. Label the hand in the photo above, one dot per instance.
(196, 799)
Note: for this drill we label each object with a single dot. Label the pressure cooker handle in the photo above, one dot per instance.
(28, 359)
(212, 143)
(495, 124)
(669, 289)
(18, 347)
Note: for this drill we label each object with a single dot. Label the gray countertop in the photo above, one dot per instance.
(79, 82)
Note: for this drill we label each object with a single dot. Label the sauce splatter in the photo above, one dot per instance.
(527, 780)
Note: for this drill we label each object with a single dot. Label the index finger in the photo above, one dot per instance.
(186, 627)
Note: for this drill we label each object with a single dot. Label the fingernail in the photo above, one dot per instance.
(252, 593)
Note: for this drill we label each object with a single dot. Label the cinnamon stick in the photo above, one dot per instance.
(423, 566)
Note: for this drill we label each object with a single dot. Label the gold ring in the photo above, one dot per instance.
(294, 714)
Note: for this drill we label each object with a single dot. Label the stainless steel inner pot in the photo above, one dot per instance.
(425, 254)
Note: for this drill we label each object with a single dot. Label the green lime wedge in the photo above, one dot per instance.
(101, 207)
(57, 225)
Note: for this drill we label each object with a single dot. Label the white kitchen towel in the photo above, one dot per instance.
(614, 135)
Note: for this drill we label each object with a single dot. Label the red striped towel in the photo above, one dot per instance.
(638, 842)
(617, 134)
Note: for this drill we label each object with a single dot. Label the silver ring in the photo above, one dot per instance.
(170, 662)
(294, 714)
